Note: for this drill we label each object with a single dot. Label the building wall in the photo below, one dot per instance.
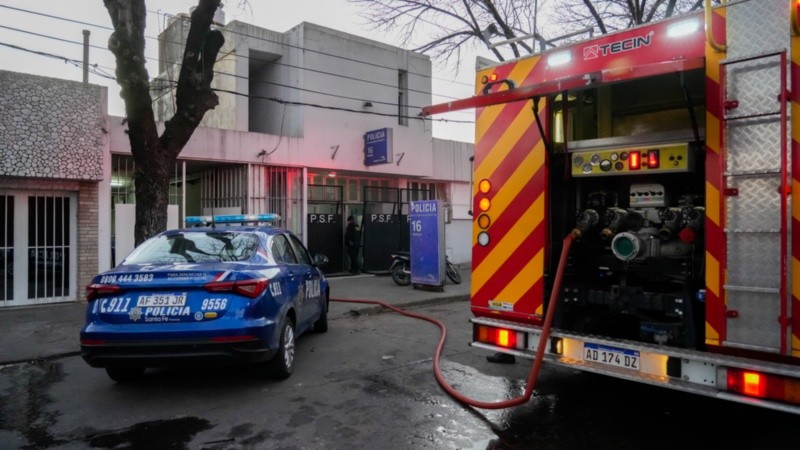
(51, 128)
(315, 90)
(54, 138)
(298, 98)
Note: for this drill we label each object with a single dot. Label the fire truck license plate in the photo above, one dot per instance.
(604, 354)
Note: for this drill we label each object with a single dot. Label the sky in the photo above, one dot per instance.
(26, 27)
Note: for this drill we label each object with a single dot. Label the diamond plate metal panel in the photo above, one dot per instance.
(755, 85)
(757, 26)
(754, 260)
(757, 325)
(757, 207)
(754, 145)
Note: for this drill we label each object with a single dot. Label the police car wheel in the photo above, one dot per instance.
(125, 374)
(282, 364)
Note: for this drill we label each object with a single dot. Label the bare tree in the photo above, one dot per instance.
(613, 15)
(155, 155)
(443, 27)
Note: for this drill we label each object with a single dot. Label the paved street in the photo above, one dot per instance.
(367, 383)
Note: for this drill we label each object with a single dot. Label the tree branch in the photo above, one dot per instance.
(194, 96)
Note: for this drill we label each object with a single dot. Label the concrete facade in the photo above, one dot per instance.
(53, 157)
(306, 97)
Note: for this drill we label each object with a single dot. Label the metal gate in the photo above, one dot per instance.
(38, 248)
(326, 226)
(384, 227)
(279, 190)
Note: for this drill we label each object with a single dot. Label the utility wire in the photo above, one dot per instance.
(234, 75)
(273, 99)
(182, 18)
(92, 68)
(217, 72)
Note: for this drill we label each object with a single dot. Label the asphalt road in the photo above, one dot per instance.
(368, 383)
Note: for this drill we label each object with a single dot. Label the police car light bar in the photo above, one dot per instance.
(232, 218)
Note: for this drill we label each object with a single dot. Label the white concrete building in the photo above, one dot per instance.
(289, 137)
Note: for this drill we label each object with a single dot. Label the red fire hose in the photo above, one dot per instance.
(537, 361)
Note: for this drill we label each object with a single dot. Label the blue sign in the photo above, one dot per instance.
(426, 227)
(378, 147)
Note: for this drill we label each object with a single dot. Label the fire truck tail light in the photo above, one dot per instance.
(483, 238)
(634, 160)
(761, 385)
(484, 186)
(501, 337)
(484, 204)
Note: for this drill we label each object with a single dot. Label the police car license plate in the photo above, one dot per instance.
(612, 356)
(162, 300)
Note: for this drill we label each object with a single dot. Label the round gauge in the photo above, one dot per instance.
(614, 156)
(605, 165)
(595, 159)
(587, 168)
(578, 160)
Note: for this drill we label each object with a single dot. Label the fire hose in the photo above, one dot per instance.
(537, 361)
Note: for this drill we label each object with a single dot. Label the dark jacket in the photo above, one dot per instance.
(351, 235)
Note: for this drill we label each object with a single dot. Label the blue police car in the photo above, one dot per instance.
(214, 294)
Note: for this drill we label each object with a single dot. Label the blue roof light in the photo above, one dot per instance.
(231, 218)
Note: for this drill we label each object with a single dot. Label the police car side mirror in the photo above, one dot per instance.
(320, 259)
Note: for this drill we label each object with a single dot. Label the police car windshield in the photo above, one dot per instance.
(191, 246)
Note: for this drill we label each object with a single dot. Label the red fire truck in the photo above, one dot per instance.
(666, 156)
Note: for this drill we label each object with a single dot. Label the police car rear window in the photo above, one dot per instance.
(190, 246)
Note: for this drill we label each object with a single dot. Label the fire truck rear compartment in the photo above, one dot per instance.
(629, 184)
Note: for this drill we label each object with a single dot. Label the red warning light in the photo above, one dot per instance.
(653, 159)
(634, 160)
(493, 77)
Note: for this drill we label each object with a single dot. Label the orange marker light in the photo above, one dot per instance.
(484, 221)
(493, 77)
(484, 204)
(484, 186)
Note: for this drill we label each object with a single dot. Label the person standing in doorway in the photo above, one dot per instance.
(351, 240)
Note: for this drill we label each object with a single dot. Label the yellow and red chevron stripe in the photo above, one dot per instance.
(715, 201)
(510, 153)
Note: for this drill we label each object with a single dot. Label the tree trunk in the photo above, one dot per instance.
(155, 157)
(152, 181)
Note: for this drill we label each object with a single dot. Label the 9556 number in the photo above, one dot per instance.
(214, 304)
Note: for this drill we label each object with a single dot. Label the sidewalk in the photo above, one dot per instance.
(50, 331)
